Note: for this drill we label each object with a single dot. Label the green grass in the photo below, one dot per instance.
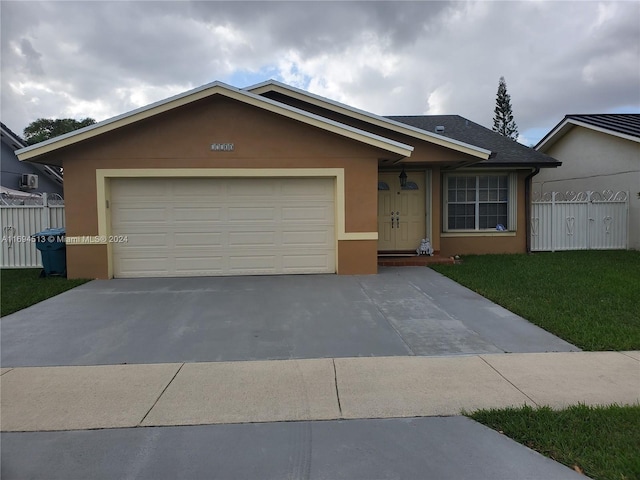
(589, 298)
(22, 288)
(603, 442)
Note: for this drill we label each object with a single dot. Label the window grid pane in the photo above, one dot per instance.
(477, 202)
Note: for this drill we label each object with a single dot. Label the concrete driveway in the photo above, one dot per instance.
(399, 312)
(422, 448)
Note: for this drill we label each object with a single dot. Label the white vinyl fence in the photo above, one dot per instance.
(580, 221)
(21, 218)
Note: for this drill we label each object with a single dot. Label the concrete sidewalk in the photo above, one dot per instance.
(112, 396)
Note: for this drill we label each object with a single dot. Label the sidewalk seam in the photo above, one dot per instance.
(335, 381)
(629, 356)
(510, 382)
(160, 396)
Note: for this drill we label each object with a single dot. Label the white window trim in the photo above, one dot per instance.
(512, 204)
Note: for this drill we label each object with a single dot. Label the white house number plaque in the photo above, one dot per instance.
(222, 147)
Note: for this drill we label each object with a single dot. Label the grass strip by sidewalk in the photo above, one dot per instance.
(21, 288)
(601, 442)
(589, 298)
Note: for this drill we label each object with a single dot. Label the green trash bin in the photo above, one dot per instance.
(53, 249)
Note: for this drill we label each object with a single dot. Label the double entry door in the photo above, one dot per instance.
(401, 211)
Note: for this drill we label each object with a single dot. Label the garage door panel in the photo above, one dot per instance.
(253, 263)
(124, 214)
(132, 188)
(252, 239)
(185, 239)
(302, 187)
(300, 263)
(307, 238)
(141, 240)
(251, 214)
(251, 188)
(192, 213)
(143, 267)
(308, 213)
(223, 226)
(203, 265)
(199, 188)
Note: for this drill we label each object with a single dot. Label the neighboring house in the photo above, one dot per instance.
(598, 153)
(20, 179)
(272, 179)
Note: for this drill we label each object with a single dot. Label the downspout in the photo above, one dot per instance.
(527, 205)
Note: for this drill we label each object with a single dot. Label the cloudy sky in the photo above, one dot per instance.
(100, 59)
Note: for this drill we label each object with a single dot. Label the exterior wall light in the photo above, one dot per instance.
(403, 178)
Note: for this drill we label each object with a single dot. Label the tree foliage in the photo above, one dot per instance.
(46, 128)
(503, 122)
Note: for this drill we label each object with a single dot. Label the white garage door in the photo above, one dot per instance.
(178, 227)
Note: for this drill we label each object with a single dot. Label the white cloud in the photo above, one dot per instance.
(101, 59)
(438, 100)
(606, 13)
(141, 94)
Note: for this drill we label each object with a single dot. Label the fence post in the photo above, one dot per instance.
(590, 221)
(553, 209)
(626, 219)
(46, 214)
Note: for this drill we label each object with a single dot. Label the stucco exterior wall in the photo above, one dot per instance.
(482, 243)
(596, 161)
(181, 139)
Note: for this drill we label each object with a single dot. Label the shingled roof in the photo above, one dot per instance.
(506, 152)
(624, 125)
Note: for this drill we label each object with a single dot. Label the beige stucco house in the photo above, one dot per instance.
(598, 153)
(271, 179)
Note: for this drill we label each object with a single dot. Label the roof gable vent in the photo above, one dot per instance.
(440, 129)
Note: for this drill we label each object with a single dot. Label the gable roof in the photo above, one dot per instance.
(12, 139)
(506, 152)
(205, 91)
(385, 122)
(16, 142)
(623, 125)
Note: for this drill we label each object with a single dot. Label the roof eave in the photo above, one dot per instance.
(519, 164)
(13, 137)
(199, 93)
(553, 136)
(567, 124)
(273, 85)
(114, 122)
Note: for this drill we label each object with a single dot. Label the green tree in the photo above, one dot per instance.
(46, 128)
(503, 122)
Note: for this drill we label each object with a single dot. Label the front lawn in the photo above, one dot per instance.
(22, 288)
(589, 298)
(601, 442)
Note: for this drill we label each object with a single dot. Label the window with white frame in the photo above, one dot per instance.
(480, 201)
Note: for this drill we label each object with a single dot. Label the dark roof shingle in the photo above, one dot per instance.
(506, 152)
(625, 123)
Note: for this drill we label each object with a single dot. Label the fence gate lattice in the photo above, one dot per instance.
(580, 221)
(19, 219)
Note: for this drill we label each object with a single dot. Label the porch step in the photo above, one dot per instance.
(412, 261)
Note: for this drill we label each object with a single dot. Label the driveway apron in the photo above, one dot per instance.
(399, 312)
